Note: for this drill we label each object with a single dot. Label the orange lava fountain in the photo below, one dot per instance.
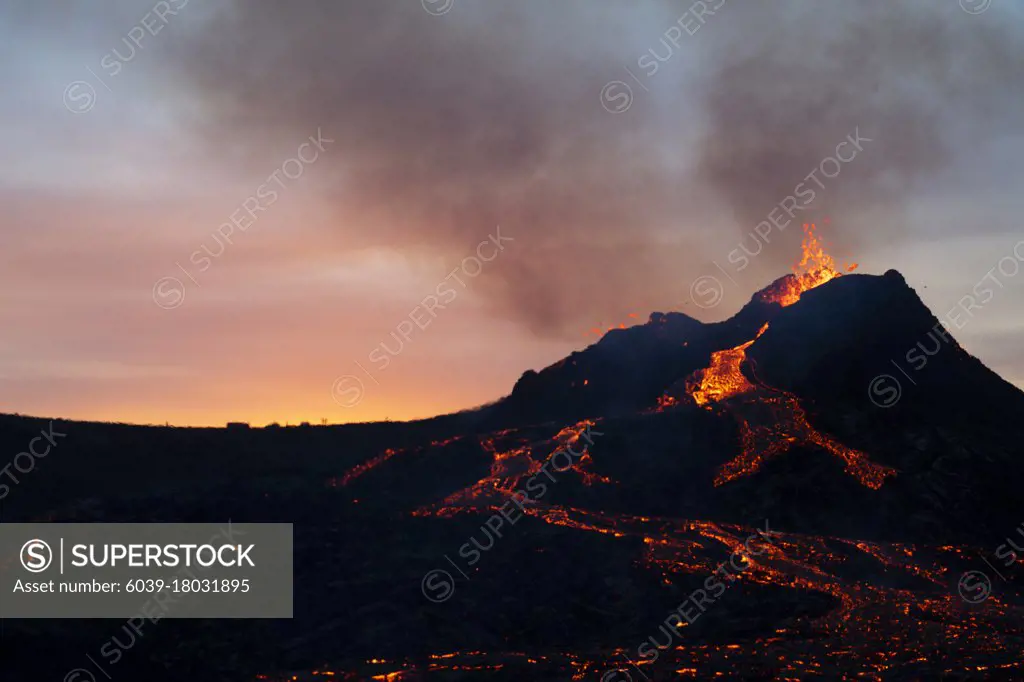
(814, 269)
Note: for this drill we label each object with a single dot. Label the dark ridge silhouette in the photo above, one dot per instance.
(619, 538)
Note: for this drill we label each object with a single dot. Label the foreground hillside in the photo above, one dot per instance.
(741, 507)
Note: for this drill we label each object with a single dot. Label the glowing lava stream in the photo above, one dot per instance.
(787, 422)
(512, 467)
(876, 627)
(881, 625)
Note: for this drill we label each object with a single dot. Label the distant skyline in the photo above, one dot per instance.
(234, 213)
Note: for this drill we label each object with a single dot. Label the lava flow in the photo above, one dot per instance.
(806, 606)
(881, 611)
(772, 421)
(724, 377)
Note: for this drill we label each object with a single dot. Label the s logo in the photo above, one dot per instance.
(36, 556)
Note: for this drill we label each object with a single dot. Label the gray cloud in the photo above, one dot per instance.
(448, 126)
(924, 80)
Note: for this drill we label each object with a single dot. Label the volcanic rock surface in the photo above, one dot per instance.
(427, 550)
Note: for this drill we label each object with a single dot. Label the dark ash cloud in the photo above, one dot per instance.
(788, 82)
(448, 126)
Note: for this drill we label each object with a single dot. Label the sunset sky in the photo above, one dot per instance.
(365, 150)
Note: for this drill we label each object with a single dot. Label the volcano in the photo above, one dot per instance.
(780, 495)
